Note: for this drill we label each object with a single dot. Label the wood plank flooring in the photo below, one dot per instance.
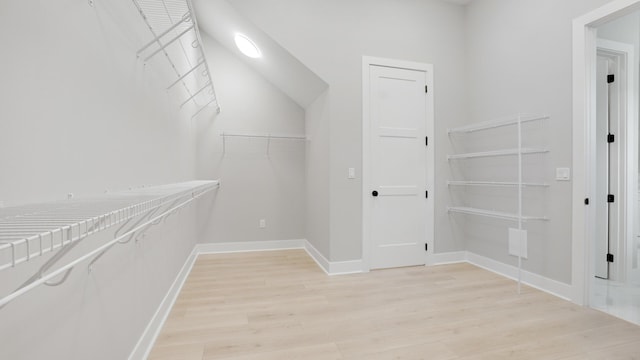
(280, 305)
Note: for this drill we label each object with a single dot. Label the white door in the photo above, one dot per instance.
(399, 200)
(609, 174)
(601, 266)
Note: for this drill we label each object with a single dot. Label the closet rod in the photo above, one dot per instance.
(264, 136)
(45, 278)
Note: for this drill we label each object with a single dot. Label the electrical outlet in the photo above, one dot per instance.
(263, 223)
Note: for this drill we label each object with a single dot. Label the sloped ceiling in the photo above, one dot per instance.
(220, 20)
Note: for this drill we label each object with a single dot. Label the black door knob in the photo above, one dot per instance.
(374, 193)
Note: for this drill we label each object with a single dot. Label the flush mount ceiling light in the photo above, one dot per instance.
(247, 47)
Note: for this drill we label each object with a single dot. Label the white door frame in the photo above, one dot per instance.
(368, 61)
(584, 114)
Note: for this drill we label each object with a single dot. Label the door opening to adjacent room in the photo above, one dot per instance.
(606, 224)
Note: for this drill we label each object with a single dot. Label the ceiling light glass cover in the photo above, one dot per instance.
(247, 47)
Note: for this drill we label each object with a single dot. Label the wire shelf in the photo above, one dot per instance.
(495, 183)
(176, 34)
(506, 152)
(31, 231)
(495, 214)
(523, 118)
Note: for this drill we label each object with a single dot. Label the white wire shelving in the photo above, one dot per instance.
(519, 151)
(522, 118)
(494, 153)
(176, 35)
(32, 231)
(494, 183)
(494, 214)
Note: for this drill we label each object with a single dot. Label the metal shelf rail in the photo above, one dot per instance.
(31, 231)
(176, 34)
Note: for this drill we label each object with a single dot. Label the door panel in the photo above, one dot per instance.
(398, 166)
(602, 171)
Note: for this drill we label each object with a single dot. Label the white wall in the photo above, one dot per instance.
(330, 37)
(519, 60)
(81, 114)
(254, 185)
(317, 170)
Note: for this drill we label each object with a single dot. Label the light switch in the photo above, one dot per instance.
(352, 173)
(563, 174)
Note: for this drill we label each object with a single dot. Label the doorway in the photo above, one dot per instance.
(398, 163)
(606, 220)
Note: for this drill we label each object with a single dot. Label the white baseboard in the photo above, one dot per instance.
(453, 257)
(270, 245)
(346, 267)
(145, 343)
(333, 267)
(317, 256)
(539, 282)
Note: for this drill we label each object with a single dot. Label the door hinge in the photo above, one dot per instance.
(611, 198)
(586, 201)
(610, 258)
(426, 88)
(426, 247)
(426, 141)
(426, 194)
(611, 138)
(611, 78)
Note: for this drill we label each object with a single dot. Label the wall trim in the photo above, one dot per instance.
(317, 256)
(553, 287)
(233, 247)
(148, 338)
(333, 267)
(453, 257)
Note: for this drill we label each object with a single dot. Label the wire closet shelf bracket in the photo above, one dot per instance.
(32, 231)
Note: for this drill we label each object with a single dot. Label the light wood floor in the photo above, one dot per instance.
(280, 305)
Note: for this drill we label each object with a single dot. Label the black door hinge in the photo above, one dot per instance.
(426, 88)
(586, 201)
(610, 258)
(611, 78)
(611, 138)
(611, 198)
(426, 141)
(426, 194)
(426, 247)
